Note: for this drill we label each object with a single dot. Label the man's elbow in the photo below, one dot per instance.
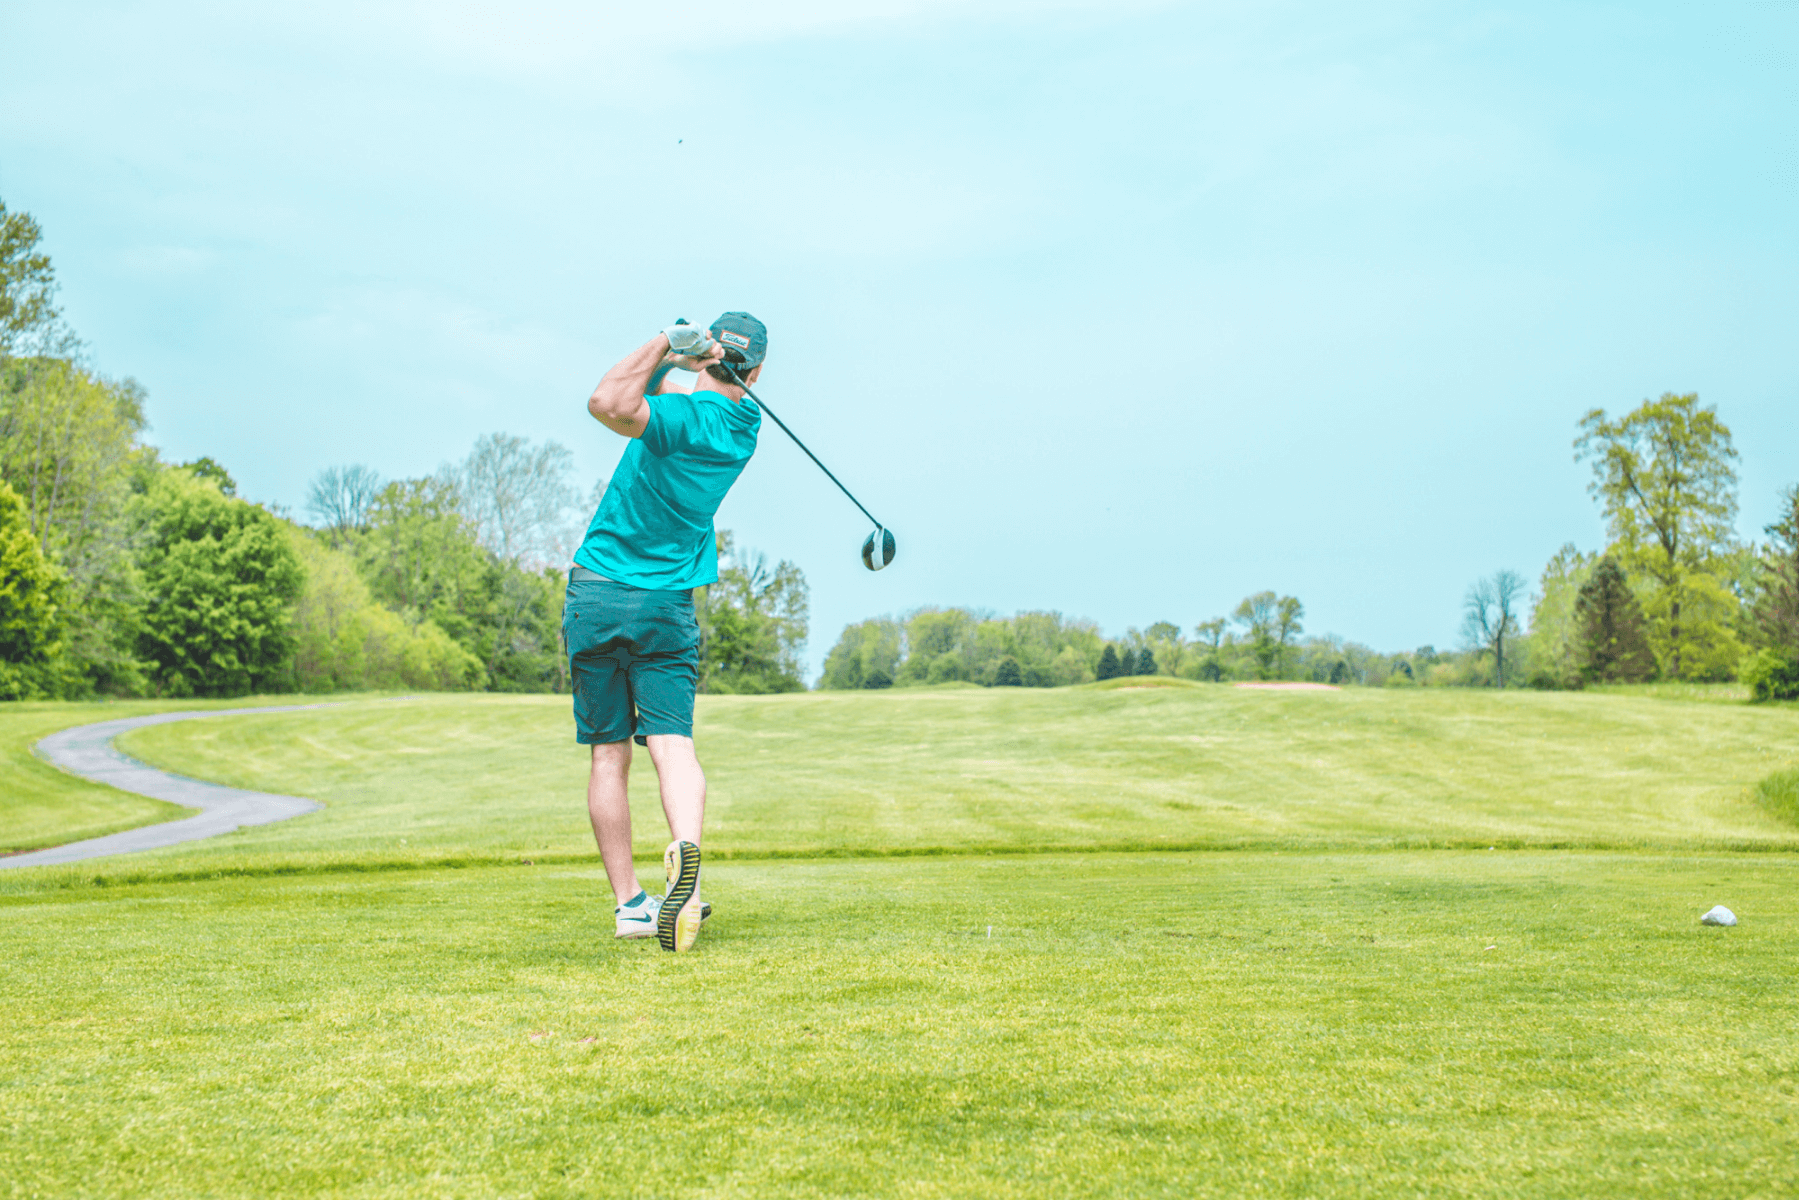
(603, 406)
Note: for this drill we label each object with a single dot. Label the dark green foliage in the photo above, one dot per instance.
(878, 679)
(1007, 673)
(1146, 662)
(1127, 663)
(1109, 666)
(1339, 673)
(1773, 674)
(1613, 638)
(219, 576)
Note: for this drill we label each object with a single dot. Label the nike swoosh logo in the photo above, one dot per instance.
(645, 918)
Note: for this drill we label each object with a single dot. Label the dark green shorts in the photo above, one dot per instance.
(635, 658)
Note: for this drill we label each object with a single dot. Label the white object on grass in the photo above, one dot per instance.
(1719, 916)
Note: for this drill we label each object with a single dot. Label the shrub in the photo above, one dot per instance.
(1772, 674)
(1007, 673)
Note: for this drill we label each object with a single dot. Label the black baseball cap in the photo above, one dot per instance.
(744, 338)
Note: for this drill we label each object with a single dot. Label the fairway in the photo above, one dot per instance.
(977, 769)
(1315, 1004)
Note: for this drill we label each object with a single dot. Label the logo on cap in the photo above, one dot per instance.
(735, 339)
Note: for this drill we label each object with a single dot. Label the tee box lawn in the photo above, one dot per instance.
(1188, 941)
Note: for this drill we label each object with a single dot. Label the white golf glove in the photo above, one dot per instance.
(689, 339)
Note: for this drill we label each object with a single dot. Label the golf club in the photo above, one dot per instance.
(879, 548)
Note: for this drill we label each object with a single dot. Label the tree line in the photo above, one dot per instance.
(1673, 595)
(122, 574)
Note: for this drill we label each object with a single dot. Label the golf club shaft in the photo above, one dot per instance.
(796, 441)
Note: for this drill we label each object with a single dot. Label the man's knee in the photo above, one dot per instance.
(669, 749)
(612, 756)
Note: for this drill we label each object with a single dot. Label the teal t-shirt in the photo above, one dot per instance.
(653, 528)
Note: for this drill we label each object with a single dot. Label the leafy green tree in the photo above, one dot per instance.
(420, 558)
(344, 641)
(1554, 634)
(1168, 648)
(220, 575)
(1490, 616)
(213, 472)
(28, 316)
(1109, 665)
(1288, 611)
(753, 624)
(1664, 475)
(1008, 674)
(1211, 636)
(69, 445)
(939, 646)
(1272, 623)
(31, 617)
(1614, 645)
(865, 650)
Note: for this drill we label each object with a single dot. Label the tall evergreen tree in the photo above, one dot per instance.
(1007, 673)
(1146, 662)
(1127, 663)
(1614, 640)
(1109, 666)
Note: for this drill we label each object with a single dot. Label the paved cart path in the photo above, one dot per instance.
(87, 751)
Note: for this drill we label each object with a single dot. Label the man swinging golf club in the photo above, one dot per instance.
(633, 641)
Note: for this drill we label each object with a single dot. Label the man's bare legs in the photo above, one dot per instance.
(609, 808)
(683, 786)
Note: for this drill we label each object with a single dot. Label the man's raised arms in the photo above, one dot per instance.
(619, 403)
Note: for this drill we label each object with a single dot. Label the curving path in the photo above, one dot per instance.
(87, 751)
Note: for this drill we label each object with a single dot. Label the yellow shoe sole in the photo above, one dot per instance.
(678, 926)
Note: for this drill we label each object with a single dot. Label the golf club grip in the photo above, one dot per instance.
(796, 441)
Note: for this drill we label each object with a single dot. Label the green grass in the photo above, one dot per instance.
(917, 771)
(1439, 1023)
(1779, 794)
(1313, 1005)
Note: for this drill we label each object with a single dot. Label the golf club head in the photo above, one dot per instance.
(878, 550)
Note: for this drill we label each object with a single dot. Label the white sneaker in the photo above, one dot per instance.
(637, 919)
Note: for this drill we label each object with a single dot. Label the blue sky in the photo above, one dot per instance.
(1126, 310)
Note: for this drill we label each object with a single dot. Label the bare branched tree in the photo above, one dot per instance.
(518, 497)
(340, 497)
(1492, 617)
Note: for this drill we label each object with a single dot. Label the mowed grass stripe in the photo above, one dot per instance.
(494, 778)
(1525, 1024)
